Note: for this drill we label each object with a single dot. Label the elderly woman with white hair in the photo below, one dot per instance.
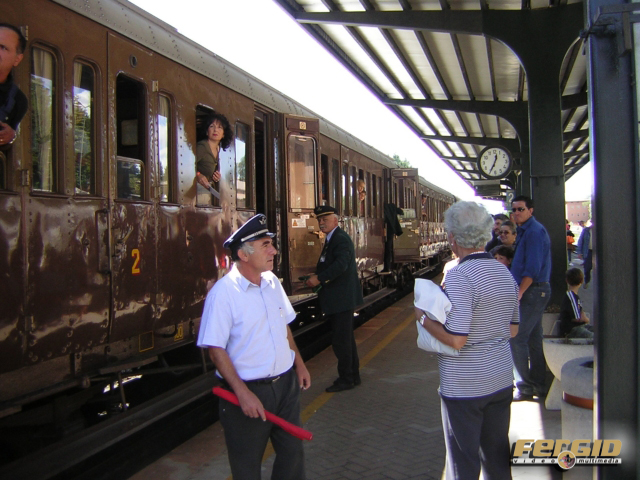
(476, 386)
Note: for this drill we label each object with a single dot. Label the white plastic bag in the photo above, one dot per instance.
(430, 298)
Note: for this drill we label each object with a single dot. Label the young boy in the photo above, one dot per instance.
(573, 321)
(503, 254)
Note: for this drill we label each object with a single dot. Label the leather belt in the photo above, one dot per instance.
(268, 380)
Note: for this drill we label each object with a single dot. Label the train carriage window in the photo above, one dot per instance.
(324, 176)
(335, 183)
(368, 196)
(354, 192)
(131, 121)
(244, 185)
(43, 124)
(302, 164)
(374, 195)
(165, 146)
(362, 194)
(83, 129)
(345, 190)
(379, 194)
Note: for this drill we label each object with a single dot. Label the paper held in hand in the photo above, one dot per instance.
(430, 298)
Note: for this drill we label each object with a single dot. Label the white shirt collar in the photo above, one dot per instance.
(331, 233)
(245, 283)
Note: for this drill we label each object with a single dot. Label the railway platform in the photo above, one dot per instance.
(389, 427)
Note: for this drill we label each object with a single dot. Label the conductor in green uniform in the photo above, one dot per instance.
(339, 296)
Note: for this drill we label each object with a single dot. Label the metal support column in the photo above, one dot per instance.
(541, 42)
(614, 151)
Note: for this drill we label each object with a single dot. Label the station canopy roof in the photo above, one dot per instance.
(454, 89)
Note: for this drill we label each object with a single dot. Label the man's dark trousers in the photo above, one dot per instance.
(344, 346)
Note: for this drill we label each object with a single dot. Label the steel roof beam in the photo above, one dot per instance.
(507, 110)
(511, 144)
(574, 101)
(471, 22)
(575, 134)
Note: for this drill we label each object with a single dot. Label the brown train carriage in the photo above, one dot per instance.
(107, 244)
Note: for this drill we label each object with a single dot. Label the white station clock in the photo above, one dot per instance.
(494, 162)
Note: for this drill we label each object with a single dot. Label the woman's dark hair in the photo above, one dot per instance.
(510, 225)
(228, 132)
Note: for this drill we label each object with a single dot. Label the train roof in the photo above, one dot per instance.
(437, 189)
(126, 18)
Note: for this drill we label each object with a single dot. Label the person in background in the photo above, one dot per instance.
(585, 252)
(574, 322)
(340, 294)
(392, 229)
(495, 237)
(362, 195)
(245, 329)
(508, 233)
(570, 241)
(217, 135)
(531, 268)
(503, 254)
(13, 102)
(476, 387)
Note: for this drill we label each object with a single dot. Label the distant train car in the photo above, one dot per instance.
(108, 245)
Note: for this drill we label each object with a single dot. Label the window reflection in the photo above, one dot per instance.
(302, 159)
(83, 157)
(243, 186)
(164, 148)
(130, 181)
(345, 190)
(42, 120)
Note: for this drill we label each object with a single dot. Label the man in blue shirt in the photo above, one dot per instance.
(531, 268)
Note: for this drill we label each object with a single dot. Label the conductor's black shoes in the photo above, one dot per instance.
(339, 387)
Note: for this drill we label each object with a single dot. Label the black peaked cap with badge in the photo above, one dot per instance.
(322, 210)
(253, 229)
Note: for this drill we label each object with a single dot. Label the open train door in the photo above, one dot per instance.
(406, 247)
(301, 136)
(133, 213)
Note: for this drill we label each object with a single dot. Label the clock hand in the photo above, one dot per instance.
(495, 159)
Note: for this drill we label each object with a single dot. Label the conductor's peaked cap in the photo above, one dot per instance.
(322, 210)
(253, 229)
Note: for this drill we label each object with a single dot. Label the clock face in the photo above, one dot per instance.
(494, 162)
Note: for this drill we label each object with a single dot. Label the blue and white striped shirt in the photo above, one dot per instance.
(484, 299)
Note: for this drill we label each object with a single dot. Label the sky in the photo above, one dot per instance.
(262, 39)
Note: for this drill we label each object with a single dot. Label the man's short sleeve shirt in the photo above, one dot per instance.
(250, 323)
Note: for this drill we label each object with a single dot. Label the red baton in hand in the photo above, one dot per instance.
(288, 427)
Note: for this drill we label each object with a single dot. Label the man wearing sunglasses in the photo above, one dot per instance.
(531, 268)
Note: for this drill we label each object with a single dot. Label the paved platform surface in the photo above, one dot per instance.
(387, 428)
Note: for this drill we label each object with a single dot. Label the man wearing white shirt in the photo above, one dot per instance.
(245, 328)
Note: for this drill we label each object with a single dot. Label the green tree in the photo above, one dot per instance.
(401, 163)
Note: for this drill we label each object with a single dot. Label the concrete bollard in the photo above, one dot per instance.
(577, 408)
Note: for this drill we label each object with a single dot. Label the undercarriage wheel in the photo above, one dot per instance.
(407, 278)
